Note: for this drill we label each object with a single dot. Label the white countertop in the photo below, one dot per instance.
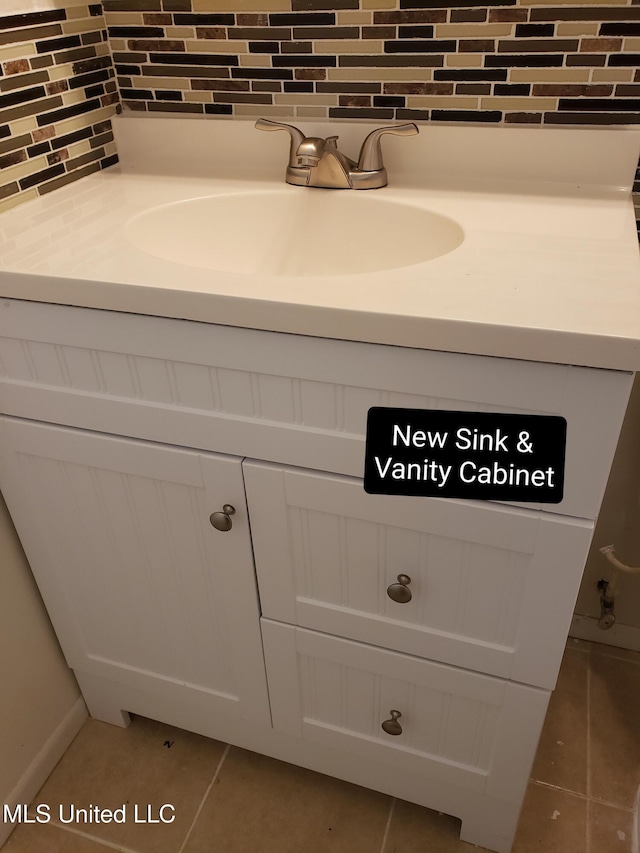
(549, 269)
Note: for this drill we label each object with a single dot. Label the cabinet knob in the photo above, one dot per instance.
(400, 591)
(392, 726)
(222, 520)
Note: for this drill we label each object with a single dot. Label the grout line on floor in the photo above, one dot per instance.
(581, 796)
(111, 845)
(611, 805)
(386, 829)
(204, 798)
(544, 784)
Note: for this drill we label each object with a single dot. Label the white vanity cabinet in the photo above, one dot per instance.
(122, 434)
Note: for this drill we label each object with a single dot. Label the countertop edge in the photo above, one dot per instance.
(426, 333)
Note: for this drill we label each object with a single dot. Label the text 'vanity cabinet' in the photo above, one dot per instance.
(121, 436)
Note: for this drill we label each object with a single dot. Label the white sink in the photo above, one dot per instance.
(294, 232)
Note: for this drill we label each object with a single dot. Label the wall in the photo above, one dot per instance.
(57, 94)
(40, 711)
(440, 60)
(509, 61)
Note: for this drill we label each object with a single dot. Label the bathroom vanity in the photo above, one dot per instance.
(182, 451)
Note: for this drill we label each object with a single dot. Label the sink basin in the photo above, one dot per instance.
(309, 232)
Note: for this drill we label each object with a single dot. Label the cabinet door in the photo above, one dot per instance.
(491, 588)
(141, 589)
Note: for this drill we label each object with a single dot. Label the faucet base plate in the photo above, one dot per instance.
(357, 180)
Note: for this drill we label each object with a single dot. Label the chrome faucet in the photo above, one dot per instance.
(316, 162)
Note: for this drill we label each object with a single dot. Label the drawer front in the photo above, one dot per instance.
(458, 728)
(300, 400)
(491, 588)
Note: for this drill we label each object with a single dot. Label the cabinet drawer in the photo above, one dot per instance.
(300, 400)
(463, 729)
(492, 588)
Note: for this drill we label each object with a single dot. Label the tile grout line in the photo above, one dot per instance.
(580, 796)
(102, 842)
(387, 827)
(206, 794)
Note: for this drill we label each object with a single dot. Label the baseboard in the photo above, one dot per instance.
(622, 636)
(38, 771)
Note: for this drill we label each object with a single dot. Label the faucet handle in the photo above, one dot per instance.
(370, 159)
(297, 136)
(268, 124)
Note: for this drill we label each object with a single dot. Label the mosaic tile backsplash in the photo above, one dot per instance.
(57, 94)
(67, 68)
(439, 60)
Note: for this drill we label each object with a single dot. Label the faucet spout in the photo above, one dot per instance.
(310, 151)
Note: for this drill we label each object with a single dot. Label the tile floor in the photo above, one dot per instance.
(580, 799)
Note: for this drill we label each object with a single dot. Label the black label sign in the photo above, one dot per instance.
(475, 455)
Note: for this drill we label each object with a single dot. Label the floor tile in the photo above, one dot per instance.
(417, 830)
(610, 829)
(614, 730)
(552, 821)
(561, 759)
(40, 838)
(259, 804)
(147, 764)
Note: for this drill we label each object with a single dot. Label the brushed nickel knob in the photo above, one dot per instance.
(392, 726)
(222, 520)
(400, 591)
